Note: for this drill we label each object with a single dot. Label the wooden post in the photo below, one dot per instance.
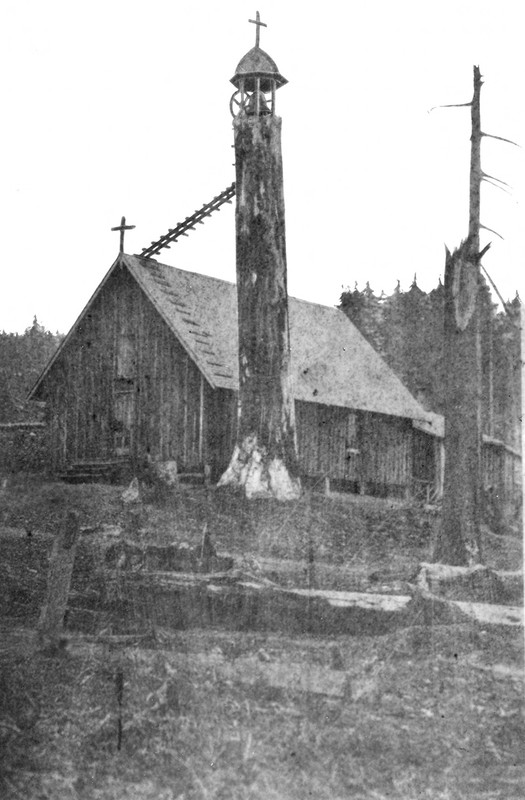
(51, 619)
(201, 421)
(185, 433)
(264, 462)
(459, 542)
(310, 555)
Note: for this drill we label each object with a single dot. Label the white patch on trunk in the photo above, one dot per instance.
(251, 470)
(282, 485)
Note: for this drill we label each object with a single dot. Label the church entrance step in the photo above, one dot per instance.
(97, 471)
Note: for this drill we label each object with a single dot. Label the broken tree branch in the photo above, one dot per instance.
(495, 185)
(502, 301)
(451, 105)
(491, 231)
(492, 178)
(500, 139)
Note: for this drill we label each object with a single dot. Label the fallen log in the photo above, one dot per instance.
(478, 584)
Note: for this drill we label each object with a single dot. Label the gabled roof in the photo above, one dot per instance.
(332, 363)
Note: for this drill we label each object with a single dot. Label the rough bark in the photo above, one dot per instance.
(264, 461)
(459, 542)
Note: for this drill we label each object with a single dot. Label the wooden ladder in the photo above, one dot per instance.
(189, 223)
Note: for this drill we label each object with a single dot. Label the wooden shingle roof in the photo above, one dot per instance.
(332, 363)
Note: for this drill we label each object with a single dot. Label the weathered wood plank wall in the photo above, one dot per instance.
(370, 450)
(124, 386)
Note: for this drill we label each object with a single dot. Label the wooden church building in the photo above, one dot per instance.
(150, 372)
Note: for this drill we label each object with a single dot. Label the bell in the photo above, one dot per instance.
(251, 106)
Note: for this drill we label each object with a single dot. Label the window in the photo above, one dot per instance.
(126, 357)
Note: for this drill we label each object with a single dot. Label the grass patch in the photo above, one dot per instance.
(421, 721)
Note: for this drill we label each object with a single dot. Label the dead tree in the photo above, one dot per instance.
(264, 462)
(459, 542)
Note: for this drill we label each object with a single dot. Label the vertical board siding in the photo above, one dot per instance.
(221, 429)
(123, 355)
(307, 431)
(362, 448)
(160, 394)
(386, 446)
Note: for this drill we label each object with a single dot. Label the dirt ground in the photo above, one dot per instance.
(426, 712)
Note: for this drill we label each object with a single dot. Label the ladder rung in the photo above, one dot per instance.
(197, 217)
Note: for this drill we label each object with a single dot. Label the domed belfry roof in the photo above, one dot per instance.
(257, 64)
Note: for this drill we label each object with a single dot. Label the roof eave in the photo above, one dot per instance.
(279, 79)
(169, 322)
(33, 392)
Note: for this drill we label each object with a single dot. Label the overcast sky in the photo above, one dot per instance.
(120, 107)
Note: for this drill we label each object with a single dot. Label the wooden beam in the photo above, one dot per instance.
(51, 620)
(201, 418)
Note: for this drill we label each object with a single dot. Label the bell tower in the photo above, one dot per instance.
(264, 462)
(256, 80)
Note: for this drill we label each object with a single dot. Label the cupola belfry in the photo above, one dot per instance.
(264, 462)
(256, 80)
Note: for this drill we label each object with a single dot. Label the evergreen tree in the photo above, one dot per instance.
(394, 331)
(22, 359)
(436, 344)
(365, 310)
(407, 329)
(415, 343)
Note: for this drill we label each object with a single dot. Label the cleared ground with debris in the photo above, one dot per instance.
(420, 712)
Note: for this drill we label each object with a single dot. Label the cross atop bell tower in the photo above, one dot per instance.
(256, 80)
(257, 21)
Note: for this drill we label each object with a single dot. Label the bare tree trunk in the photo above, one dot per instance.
(264, 462)
(459, 542)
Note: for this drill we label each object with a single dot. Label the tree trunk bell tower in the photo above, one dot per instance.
(264, 461)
